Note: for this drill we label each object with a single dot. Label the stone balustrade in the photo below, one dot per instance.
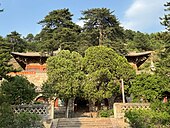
(121, 108)
(42, 110)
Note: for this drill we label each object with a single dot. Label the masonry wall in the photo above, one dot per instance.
(37, 79)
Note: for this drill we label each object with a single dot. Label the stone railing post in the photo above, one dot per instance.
(115, 111)
(52, 110)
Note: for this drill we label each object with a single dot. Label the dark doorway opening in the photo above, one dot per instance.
(106, 102)
(81, 105)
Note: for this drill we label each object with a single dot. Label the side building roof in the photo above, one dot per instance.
(138, 58)
(29, 57)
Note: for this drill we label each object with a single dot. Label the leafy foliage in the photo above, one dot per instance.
(163, 64)
(158, 116)
(148, 119)
(5, 67)
(58, 29)
(102, 28)
(160, 106)
(148, 88)
(16, 42)
(18, 90)
(106, 113)
(138, 41)
(166, 18)
(6, 116)
(27, 120)
(70, 75)
(66, 67)
(104, 68)
(142, 42)
(8, 119)
(33, 44)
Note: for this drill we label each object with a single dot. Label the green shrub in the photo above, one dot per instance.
(6, 116)
(106, 113)
(9, 119)
(161, 107)
(27, 120)
(148, 119)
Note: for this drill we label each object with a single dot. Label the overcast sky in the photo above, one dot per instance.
(22, 15)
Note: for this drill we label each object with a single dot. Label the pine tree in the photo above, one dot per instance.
(5, 67)
(102, 28)
(17, 44)
(58, 30)
(166, 19)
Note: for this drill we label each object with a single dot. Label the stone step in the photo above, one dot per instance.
(75, 124)
(87, 123)
(85, 126)
(83, 119)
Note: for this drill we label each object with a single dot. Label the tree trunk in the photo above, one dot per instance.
(111, 102)
(98, 105)
(100, 35)
(92, 108)
(67, 108)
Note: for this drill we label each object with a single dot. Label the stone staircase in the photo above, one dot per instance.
(87, 123)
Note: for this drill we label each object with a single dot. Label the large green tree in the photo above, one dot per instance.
(102, 28)
(58, 30)
(166, 18)
(65, 75)
(104, 69)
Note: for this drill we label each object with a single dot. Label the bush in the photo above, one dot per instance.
(6, 116)
(9, 119)
(27, 120)
(18, 90)
(161, 107)
(148, 119)
(106, 113)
